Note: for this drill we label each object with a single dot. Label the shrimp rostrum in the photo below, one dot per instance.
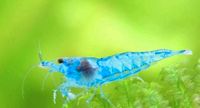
(87, 72)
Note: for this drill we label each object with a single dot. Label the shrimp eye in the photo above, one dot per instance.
(60, 60)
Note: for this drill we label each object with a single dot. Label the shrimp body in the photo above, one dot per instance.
(92, 72)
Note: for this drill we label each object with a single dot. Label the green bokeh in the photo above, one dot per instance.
(86, 28)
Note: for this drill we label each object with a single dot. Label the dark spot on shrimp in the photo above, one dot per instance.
(86, 69)
(60, 60)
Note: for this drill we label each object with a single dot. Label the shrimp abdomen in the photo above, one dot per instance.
(125, 64)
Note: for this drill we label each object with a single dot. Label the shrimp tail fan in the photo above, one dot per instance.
(186, 52)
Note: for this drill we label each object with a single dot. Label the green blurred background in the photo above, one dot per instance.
(86, 28)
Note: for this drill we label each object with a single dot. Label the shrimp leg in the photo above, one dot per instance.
(65, 90)
(91, 97)
(104, 97)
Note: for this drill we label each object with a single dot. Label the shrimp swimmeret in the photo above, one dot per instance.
(87, 72)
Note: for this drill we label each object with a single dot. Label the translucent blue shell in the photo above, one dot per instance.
(94, 72)
(91, 71)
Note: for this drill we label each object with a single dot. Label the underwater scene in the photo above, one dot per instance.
(99, 54)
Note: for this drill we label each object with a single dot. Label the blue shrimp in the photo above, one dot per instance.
(87, 72)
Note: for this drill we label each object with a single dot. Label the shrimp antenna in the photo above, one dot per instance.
(40, 52)
(40, 56)
(25, 77)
